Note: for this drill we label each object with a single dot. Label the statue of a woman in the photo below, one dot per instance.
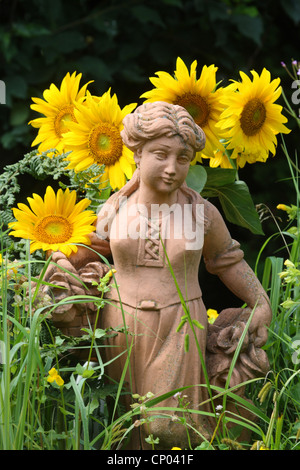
(156, 228)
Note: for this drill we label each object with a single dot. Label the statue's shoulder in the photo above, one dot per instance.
(196, 198)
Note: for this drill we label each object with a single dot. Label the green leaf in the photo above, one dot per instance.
(147, 15)
(92, 406)
(99, 333)
(29, 29)
(65, 412)
(198, 324)
(237, 205)
(79, 369)
(205, 446)
(88, 373)
(295, 392)
(249, 26)
(292, 9)
(219, 176)
(94, 66)
(150, 439)
(16, 86)
(83, 372)
(186, 343)
(19, 114)
(175, 3)
(65, 42)
(58, 341)
(196, 178)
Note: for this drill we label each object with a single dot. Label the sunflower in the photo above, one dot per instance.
(95, 138)
(251, 119)
(201, 98)
(58, 109)
(54, 223)
(220, 159)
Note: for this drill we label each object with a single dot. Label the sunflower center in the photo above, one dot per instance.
(53, 229)
(253, 117)
(196, 106)
(105, 144)
(65, 115)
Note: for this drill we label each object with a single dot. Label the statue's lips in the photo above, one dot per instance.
(168, 180)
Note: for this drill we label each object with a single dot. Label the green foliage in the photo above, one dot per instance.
(36, 414)
(41, 167)
(76, 415)
(121, 43)
(279, 394)
(234, 195)
(238, 206)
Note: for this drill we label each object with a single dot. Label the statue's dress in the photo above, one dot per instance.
(151, 310)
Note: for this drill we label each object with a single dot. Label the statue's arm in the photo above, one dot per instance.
(224, 257)
(88, 259)
(99, 240)
(90, 253)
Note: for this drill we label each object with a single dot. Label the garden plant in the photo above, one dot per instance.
(49, 398)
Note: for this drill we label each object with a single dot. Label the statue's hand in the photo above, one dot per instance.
(62, 261)
(93, 272)
(258, 327)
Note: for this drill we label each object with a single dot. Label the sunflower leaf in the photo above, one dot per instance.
(237, 205)
(219, 176)
(196, 178)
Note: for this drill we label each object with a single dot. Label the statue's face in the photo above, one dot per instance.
(164, 163)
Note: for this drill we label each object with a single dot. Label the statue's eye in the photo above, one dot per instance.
(183, 159)
(160, 155)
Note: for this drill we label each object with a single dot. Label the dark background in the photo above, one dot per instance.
(120, 44)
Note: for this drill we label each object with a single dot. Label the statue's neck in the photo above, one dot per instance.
(148, 197)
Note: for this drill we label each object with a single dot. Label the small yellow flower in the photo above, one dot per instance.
(282, 207)
(55, 377)
(212, 315)
(111, 273)
(176, 448)
(289, 263)
(292, 210)
(259, 445)
(10, 267)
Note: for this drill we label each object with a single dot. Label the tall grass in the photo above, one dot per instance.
(38, 415)
(280, 394)
(35, 414)
(21, 386)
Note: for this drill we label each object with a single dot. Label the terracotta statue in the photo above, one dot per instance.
(156, 221)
